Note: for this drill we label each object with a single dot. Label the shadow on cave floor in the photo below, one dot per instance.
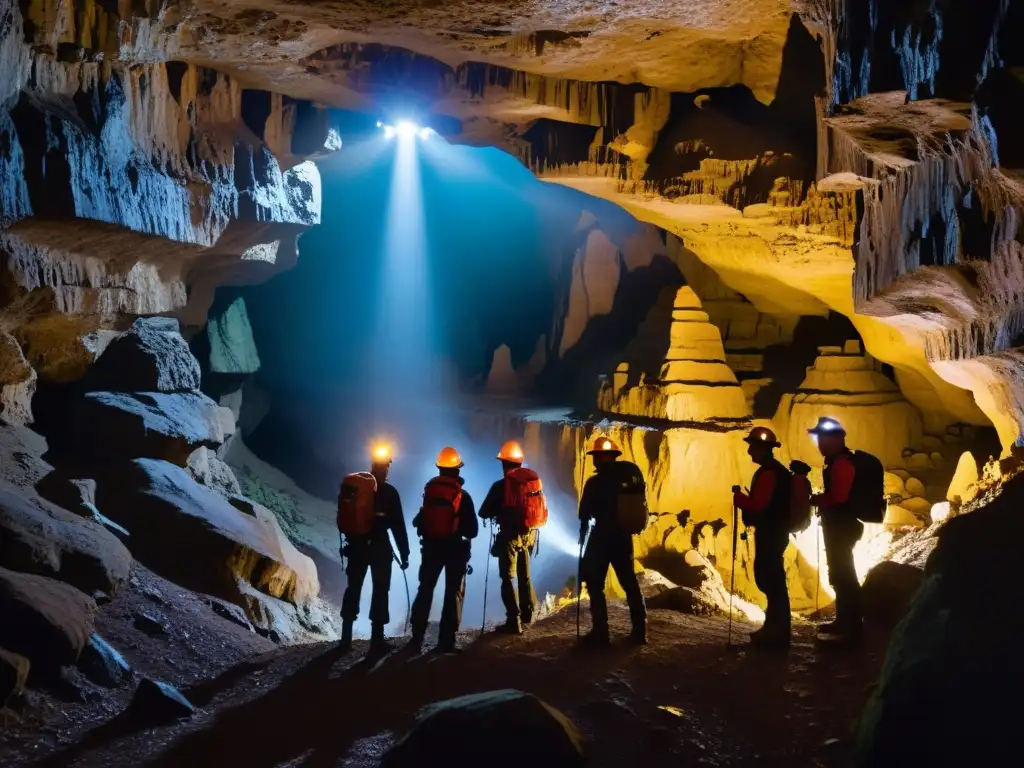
(313, 706)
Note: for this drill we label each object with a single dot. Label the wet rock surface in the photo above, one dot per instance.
(658, 716)
(463, 732)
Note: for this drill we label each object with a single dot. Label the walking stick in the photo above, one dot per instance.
(817, 565)
(732, 577)
(579, 559)
(579, 587)
(408, 600)
(487, 573)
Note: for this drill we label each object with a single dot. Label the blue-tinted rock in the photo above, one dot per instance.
(102, 664)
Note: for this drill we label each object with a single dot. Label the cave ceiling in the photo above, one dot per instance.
(848, 155)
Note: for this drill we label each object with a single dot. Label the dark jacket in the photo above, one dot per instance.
(494, 508)
(839, 477)
(469, 527)
(388, 506)
(768, 505)
(600, 497)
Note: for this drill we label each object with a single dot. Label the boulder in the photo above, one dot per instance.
(232, 347)
(113, 425)
(150, 357)
(208, 469)
(46, 621)
(888, 589)
(102, 664)
(915, 487)
(156, 702)
(500, 729)
(37, 537)
(955, 657)
(897, 516)
(17, 382)
(13, 674)
(193, 536)
(74, 494)
(231, 612)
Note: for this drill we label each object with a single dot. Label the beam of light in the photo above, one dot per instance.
(404, 357)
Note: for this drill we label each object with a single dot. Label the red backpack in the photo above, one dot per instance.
(355, 504)
(439, 515)
(524, 498)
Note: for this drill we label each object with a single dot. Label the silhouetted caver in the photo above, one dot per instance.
(841, 530)
(767, 510)
(368, 509)
(615, 500)
(516, 503)
(446, 524)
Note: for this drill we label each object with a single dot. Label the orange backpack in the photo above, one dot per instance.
(524, 498)
(439, 515)
(355, 504)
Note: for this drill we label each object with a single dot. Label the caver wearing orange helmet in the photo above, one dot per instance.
(767, 508)
(369, 509)
(517, 503)
(446, 524)
(615, 499)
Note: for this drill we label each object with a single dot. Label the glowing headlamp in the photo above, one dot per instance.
(382, 453)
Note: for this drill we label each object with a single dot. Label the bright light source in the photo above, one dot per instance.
(406, 129)
(382, 453)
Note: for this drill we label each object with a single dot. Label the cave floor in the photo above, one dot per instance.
(685, 699)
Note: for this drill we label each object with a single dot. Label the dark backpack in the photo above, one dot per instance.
(356, 504)
(799, 497)
(631, 510)
(867, 499)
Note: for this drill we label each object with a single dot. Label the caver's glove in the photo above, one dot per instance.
(405, 563)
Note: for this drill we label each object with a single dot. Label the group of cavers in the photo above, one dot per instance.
(613, 508)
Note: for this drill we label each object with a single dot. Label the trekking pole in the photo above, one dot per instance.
(579, 587)
(579, 559)
(732, 577)
(408, 600)
(817, 564)
(487, 573)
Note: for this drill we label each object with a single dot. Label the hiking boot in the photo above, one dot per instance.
(770, 640)
(526, 619)
(510, 627)
(346, 635)
(834, 627)
(443, 648)
(415, 645)
(638, 636)
(377, 642)
(595, 639)
(847, 637)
